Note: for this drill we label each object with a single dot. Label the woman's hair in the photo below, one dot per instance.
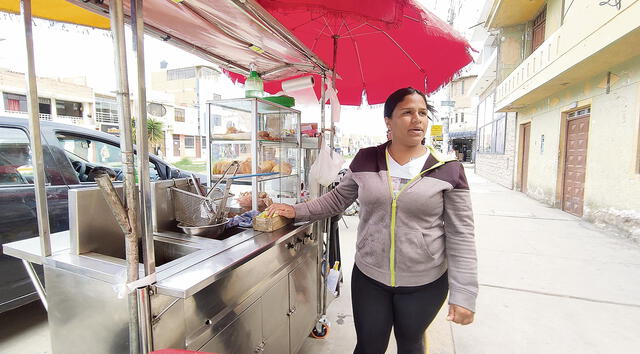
(399, 95)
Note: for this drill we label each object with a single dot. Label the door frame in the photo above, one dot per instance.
(520, 171)
(562, 152)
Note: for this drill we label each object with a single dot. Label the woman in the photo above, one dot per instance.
(415, 238)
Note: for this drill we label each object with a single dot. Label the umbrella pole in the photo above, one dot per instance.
(126, 145)
(35, 136)
(146, 227)
(333, 84)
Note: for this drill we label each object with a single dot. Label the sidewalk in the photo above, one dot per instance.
(549, 283)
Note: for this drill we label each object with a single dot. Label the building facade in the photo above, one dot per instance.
(462, 118)
(570, 73)
(191, 87)
(68, 101)
(71, 101)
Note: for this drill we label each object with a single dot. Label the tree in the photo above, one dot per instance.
(155, 133)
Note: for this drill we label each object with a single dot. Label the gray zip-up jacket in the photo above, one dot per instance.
(410, 239)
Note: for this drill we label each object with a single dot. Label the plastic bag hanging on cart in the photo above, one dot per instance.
(325, 169)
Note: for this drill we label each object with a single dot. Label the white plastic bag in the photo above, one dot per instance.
(325, 169)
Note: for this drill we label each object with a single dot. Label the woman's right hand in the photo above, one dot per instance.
(284, 210)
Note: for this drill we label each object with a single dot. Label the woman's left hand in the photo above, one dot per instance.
(460, 315)
(284, 210)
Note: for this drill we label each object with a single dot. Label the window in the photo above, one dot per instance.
(86, 153)
(538, 29)
(462, 87)
(44, 105)
(106, 110)
(462, 117)
(181, 74)
(88, 150)
(15, 157)
(492, 135)
(204, 143)
(179, 115)
(217, 97)
(207, 73)
(189, 142)
(68, 108)
(500, 133)
(216, 119)
(156, 109)
(491, 128)
(456, 117)
(14, 102)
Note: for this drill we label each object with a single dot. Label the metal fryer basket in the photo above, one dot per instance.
(192, 209)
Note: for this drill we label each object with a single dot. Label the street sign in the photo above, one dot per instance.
(436, 130)
(448, 103)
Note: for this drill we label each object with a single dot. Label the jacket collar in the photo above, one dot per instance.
(433, 159)
(382, 160)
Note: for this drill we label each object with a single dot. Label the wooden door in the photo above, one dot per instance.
(538, 30)
(176, 145)
(524, 169)
(575, 164)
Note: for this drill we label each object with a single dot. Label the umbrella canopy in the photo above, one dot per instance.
(376, 46)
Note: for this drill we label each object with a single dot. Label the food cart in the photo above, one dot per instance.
(244, 291)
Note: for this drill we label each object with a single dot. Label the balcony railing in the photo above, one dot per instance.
(15, 112)
(43, 116)
(542, 57)
(106, 118)
(69, 119)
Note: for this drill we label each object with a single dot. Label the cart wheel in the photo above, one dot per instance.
(322, 334)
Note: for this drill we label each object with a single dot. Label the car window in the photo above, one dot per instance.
(15, 157)
(88, 155)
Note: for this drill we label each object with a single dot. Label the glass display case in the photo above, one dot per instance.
(264, 138)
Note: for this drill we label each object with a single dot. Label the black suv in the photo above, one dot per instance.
(70, 154)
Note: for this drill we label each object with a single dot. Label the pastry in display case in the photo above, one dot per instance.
(264, 138)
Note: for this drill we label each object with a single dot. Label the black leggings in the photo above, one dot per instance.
(408, 309)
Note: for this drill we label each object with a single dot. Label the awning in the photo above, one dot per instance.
(230, 33)
(464, 134)
(60, 11)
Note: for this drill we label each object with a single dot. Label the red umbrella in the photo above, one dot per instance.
(375, 46)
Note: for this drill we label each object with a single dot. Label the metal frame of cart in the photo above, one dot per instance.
(139, 198)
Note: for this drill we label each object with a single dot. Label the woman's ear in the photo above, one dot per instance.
(387, 122)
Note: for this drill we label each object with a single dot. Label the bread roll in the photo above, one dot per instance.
(284, 168)
(245, 167)
(220, 166)
(266, 166)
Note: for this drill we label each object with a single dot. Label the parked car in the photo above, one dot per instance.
(70, 154)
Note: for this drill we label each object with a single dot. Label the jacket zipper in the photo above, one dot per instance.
(394, 204)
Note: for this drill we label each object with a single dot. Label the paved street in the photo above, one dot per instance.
(550, 283)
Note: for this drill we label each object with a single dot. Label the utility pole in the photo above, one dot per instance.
(446, 120)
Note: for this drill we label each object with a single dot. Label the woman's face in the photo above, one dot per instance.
(408, 122)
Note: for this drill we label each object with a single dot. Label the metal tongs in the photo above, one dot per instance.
(209, 203)
(227, 187)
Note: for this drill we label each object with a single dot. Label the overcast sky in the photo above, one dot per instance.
(63, 50)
